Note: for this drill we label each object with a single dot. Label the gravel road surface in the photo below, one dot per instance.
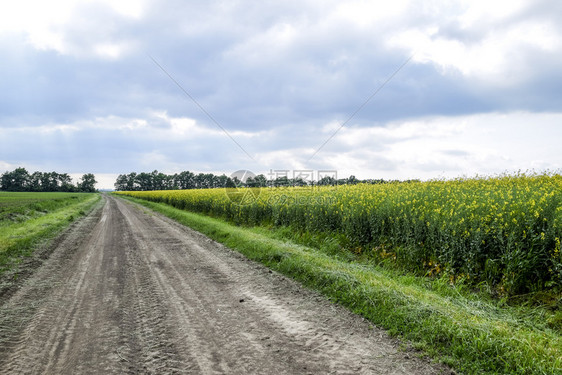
(128, 291)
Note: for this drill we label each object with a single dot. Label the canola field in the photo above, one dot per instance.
(504, 231)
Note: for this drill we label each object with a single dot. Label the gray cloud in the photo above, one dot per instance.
(282, 70)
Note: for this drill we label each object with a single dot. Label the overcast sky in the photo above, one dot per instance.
(271, 81)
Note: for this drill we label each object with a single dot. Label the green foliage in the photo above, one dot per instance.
(27, 219)
(87, 183)
(18, 207)
(20, 180)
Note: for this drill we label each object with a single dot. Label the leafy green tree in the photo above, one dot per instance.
(51, 181)
(230, 183)
(281, 181)
(158, 180)
(6, 181)
(121, 183)
(35, 181)
(65, 183)
(327, 180)
(131, 182)
(257, 181)
(87, 183)
(185, 180)
(20, 180)
(299, 182)
(17, 180)
(260, 180)
(221, 181)
(352, 180)
(144, 181)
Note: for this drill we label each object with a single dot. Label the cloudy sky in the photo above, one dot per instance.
(94, 86)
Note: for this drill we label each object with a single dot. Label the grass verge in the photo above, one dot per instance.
(470, 333)
(19, 238)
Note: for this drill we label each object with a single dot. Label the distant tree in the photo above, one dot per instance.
(35, 181)
(327, 180)
(375, 181)
(87, 183)
(50, 181)
(130, 180)
(45, 181)
(209, 179)
(121, 182)
(169, 182)
(158, 180)
(257, 181)
(352, 180)
(260, 180)
(65, 182)
(200, 181)
(236, 181)
(20, 180)
(281, 181)
(222, 180)
(6, 181)
(250, 182)
(185, 180)
(230, 183)
(17, 180)
(172, 182)
(144, 181)
(299, 182)
(188, 180)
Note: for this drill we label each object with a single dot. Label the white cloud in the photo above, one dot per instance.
(183, 128)
(450, 146)
(110, 50)
(5, 166)
(79, 28)
(128, 8)
(490, 41)
(265, 47)
(481, 13)
(370, 14)
(290, 158)
(38, 20)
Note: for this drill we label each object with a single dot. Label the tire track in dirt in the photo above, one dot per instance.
(134, 292)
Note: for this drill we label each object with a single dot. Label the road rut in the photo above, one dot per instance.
(128, 291)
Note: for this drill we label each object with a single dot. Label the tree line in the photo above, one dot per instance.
(159, 181)
(155, 180)
(20, 180)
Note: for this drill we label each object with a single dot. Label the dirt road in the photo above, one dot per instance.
(129, 291)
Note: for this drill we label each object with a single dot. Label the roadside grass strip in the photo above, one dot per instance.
(471, 334)
(19, 238)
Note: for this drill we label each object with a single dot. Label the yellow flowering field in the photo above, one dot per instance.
(503, 230)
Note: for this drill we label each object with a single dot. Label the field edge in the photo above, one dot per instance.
(50, 227)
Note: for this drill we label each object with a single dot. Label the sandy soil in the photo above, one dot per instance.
(126, 290)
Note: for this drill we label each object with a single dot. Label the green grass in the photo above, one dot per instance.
(468, 331)
(15, 206)
(28, 219)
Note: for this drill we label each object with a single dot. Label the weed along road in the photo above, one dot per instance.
(126, 290)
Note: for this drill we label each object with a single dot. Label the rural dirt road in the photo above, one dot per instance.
(127, 291)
